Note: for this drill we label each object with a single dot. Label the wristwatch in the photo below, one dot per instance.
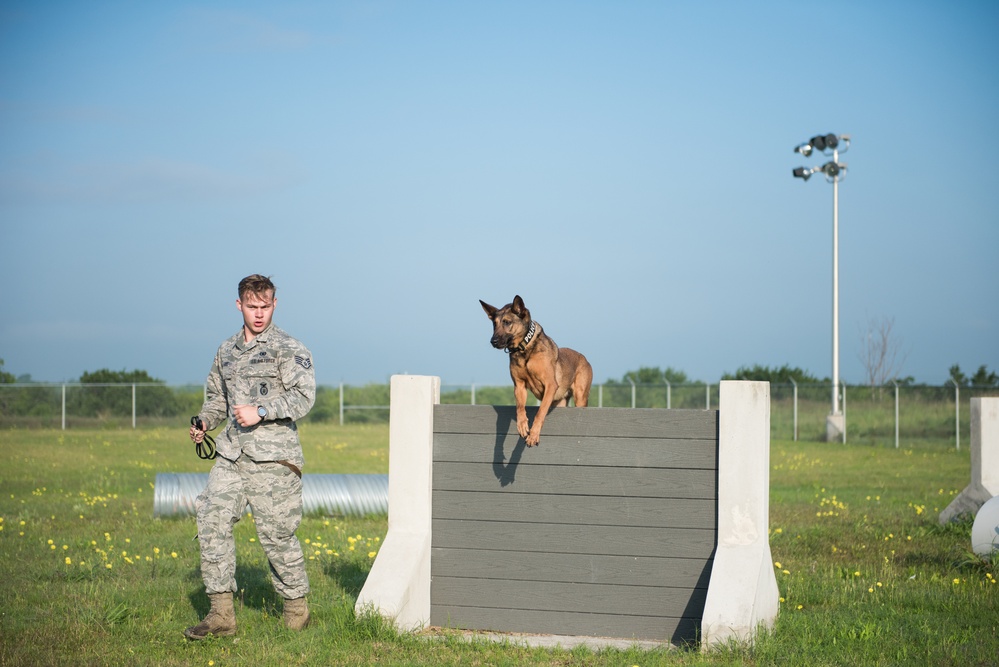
(262, 411)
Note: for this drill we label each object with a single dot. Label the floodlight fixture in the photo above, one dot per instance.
(823, 143)
(803, 172)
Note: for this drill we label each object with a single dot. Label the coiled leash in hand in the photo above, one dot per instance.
(205, 448)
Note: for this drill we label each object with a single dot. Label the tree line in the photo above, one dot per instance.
(786, 374)
(98, 398)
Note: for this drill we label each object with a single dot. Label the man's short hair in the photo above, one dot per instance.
(256, 284)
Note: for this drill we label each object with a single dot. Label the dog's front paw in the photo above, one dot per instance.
(532, 438)
(522, 429)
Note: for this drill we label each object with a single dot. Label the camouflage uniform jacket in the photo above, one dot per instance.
(274, 371)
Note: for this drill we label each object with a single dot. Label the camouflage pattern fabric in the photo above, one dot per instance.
(273, 371)
(274, 494)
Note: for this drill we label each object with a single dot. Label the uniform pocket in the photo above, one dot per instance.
(262, 382)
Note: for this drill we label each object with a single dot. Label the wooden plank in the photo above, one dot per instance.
(655, 628)
(571, 568)
(556, 538)
(590, 422)
(563, 450)
(577, 480)
(584, 510)
(567, 597)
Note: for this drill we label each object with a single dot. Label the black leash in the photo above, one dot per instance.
(205, 448)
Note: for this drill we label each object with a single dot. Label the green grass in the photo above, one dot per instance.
(866, 574)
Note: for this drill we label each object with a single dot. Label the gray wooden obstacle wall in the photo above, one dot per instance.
(607, 528)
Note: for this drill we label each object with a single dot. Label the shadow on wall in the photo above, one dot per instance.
(506, 472)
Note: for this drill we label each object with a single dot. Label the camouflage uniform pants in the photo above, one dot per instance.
(274, 494)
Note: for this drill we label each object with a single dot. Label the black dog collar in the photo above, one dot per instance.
(524, 343)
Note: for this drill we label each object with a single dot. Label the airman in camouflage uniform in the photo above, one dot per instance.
(261, 381)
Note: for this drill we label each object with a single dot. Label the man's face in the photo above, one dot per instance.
(258, 310)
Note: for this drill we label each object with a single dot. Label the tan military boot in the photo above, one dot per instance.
(296, 613)
(220, 620)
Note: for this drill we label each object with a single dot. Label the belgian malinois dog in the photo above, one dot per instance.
(553, 374)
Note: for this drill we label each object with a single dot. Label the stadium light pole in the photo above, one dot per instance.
(833, 171)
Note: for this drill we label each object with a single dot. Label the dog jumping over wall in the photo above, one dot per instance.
(553, 374)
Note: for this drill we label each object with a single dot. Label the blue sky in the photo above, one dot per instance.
(623, 166)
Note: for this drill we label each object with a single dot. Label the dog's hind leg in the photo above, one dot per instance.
(581, 386)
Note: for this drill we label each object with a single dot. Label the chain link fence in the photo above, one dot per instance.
(875, 415)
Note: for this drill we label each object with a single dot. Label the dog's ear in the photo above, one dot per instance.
(490, 311)
(519, 309)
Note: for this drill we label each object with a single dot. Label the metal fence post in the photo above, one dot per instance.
(133, 405)
(600, 396)
(843, 388)
(957, 413)
(795, 409)
(707, 397)
(473, 393)
(668, 388)
(896, 413)
(341, 404)
(64, 407)
(632, 390)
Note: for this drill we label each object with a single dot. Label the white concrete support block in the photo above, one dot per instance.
(984, 461)
(398, 586)
(742, 592)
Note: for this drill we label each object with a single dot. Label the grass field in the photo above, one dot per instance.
(866, 575)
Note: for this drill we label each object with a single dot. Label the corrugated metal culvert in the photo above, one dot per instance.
(174, 494)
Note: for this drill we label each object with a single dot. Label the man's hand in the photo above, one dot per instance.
(197, 435)
(246, 415)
